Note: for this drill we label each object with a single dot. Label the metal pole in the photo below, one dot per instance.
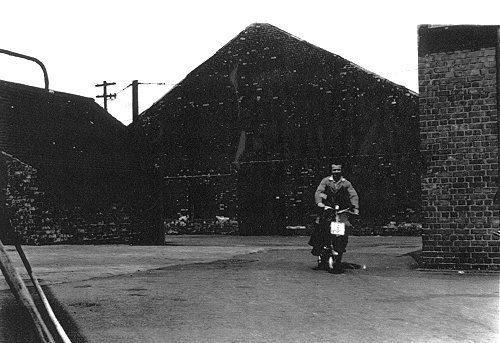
(20, 291)
(40, 292)
(15, 54)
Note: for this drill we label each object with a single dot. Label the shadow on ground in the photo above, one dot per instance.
(347, 265)
(18, 327)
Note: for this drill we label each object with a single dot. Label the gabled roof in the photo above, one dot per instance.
(264, 63)
(270, 37)
(264, 29)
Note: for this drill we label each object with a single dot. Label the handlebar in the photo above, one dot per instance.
(346, 210)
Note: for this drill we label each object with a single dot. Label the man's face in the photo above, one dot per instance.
(336, 172)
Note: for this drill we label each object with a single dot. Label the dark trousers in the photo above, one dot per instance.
(321, 236)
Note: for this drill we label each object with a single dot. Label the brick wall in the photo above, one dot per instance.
(459, 130)
(20, 195)
(39, 217)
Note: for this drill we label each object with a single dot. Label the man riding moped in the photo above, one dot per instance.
(335, 198)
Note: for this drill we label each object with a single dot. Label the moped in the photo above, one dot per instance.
(330, 257)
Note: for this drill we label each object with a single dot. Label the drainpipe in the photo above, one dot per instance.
(15, 54)
(497, 57)
(497, 194)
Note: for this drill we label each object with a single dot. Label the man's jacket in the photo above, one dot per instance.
(341, 193)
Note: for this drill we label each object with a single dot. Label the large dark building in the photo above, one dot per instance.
(249, 134)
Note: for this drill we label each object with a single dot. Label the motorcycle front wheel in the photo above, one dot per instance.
(331, 263)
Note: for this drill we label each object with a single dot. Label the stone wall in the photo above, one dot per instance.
(459, 130)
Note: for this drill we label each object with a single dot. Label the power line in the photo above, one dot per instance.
(159, 83)
(399, 71)
(124, 89)
(146, 83)
(379, 156)
(150, 83)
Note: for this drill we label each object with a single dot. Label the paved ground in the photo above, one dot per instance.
(253, 289)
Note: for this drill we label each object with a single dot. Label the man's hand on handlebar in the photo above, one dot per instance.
(324, 207)
(354, 211)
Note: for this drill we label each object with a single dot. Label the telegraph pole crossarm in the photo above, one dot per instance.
(105, 94)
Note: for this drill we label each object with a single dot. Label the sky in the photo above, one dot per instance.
(83, 43)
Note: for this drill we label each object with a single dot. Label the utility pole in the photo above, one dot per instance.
(105, 94)
(135, 100)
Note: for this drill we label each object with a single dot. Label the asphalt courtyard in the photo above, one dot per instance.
(252, 289)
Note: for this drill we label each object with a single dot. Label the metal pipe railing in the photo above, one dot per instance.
(37, 61)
